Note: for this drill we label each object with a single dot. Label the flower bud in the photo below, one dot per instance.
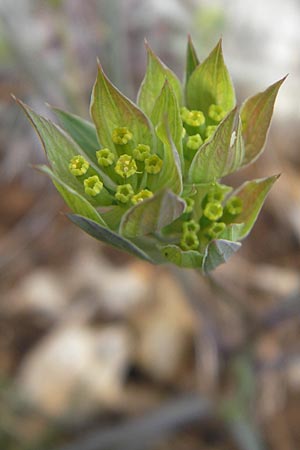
(141, 152)
(189, 205)
(125, 166)
(194, 142)
(210, 131)
(105, 157)
(194, 118)
(216, 113)
(214, 230)
(78, 166)
(141, 196)
(213, 211)
(93, 186)
(153, 164)
(121, 136)
(234, 206)
(189, 241)
(191, 226)
(124, 193)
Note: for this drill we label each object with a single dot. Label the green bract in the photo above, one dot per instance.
(145, 178)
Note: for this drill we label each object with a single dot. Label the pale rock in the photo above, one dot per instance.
(40, 292)
(76, 371)
(165, 331)
(275, 280)
(293, 374)
(118, 290)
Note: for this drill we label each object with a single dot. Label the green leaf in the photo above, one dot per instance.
(192, 60)
(170, 175)
(253, 194)
(151, 215)
(216, 158)
(105, 235)
(218, 252)
(210, 83)
(110, 109)
(60, 149)
(188, 259)
(256, 114)
(112, 215)
(82, 131)
(76, 202)
(232, 232)
(156, 74)
(166, 108)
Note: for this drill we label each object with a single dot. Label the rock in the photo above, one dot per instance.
(39, 292)
(75, 371)
(275, 280)
(117, 290)
(165, 331)
(293, 374)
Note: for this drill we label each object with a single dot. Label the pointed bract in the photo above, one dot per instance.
(111, 110)
(253, 194)
(192, 60)
(156, 74)
(151, 215)
(77, 203)
(256, 114)
(217, 253)
(109, 237)
(166, 108)
(210, 83)
(148, 181)
(82, 131)
(213, 159)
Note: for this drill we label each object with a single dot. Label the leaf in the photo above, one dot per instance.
(110, 109)
(112, 215)
(256, 114)
(166, 108)
(60, 148)
(218, 252)
(232, 232)
(76, 202)
(151, 215)
(192, 60)
(210, 83)
(253, 194)
(105, 235)
(82, 131)
(170, 175)
(188, 259)
(156, 74)
(215, 158)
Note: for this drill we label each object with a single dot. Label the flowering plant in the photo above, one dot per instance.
(145, 178)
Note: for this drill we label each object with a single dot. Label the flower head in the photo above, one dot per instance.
(154, 188)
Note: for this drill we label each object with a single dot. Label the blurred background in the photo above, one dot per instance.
(97, 349)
